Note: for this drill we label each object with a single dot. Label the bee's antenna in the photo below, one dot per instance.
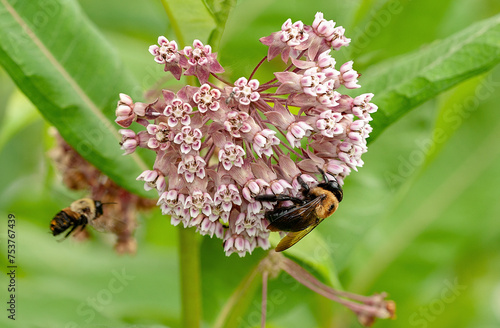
(109, 203)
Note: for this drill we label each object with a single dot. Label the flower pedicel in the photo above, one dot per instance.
(219, 145)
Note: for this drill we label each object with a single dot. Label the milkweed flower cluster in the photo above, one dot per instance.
(219, 145)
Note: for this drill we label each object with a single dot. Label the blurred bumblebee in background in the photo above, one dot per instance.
(80, 213)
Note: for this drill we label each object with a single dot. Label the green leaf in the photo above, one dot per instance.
(220, 11)
(380, 23)
(457, 106)
(127, 18)
(26, 172)
(19, 114)
(190, 20)
(402, 84)
(5, 92)
(66, 68)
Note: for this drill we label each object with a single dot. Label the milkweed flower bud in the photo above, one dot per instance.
(328, 123)
(362, 106)
(153, 179)
(349, 76)
(297, 131)
(263, 141)
(129, 141)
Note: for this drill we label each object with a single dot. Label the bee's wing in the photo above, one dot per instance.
(108, 224)
(294, 237)
(297, 218)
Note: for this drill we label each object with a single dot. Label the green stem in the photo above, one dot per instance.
(174, 23)
(189, 257)
(239, 302)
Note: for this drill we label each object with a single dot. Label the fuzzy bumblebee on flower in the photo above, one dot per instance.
(228, 153)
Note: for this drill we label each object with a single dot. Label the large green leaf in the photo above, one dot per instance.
(374, 33)
(57, 58)
(400, 85)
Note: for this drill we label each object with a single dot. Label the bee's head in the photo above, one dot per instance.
(331, 185)
(98, 208)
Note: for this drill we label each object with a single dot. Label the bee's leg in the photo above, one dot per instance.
(83, 222)
(72, 229)
(279, 198)
(303, 184)
(325, 177)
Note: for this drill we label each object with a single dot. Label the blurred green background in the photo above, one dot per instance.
(421, 219)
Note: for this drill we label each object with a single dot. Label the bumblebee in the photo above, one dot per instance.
(80, 213)
(306, 213)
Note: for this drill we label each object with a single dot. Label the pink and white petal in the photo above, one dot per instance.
(185, 120)
(172, 121)
(161, 183)
(226, 206)
(207, 210)
(196, 145)
(244, 101)
(189, 177)
(150, 175)
(254, 96)
(123, 110)
(227, 164)
(201, 173)
(153, 143)
(179, 138)
(174, 220)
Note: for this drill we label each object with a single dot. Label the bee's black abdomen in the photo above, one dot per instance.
(60, 223)
(272, 216)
